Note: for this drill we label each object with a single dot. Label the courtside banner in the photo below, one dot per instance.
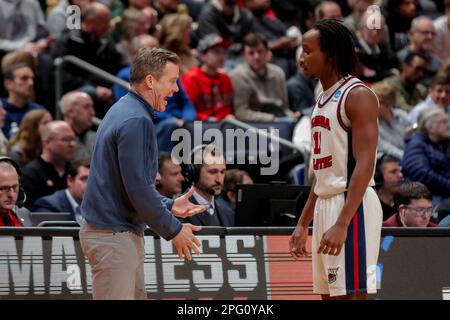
(47, 263)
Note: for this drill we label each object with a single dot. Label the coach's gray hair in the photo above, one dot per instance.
(151, 61)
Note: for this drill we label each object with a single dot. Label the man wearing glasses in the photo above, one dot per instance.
(11, 196)
(421, 39)
(48, 172)
(414, 207)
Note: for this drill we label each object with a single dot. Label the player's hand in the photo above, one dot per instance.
(185, 241)
(333, 240)
(297, 243)
(183, 208)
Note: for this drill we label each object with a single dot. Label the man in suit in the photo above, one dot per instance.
(67, 200)
(206, 173)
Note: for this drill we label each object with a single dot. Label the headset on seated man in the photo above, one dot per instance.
(21, 198)
(191, 171)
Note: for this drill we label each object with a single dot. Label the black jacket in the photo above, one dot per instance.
(223, 211)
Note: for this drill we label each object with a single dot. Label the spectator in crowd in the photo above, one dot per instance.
(11, 195)
(193, 7)
(164, 7)
(3, 140)
(69, 199)
(92, 44)
(117, 10)
(78, 111)
(376, 57)
(260, 92)
(19, 83)
(282, 41)
(427, 154)
(442, 39)
(409, 90)
(300, 89)
(206, 173)
(359, 8)
(413, 202)
(399, 15)
(42, 70)
(393, 122)
(132, 23)
(388, 179)
(210, 89)
(421, 39)
(171, 178)
(300, 92)
(57, 19)
(438, 96)
(225, 18)
(175, 34)
(26, 144)
(21, 24)
(149, 18)
(232, 178)
(48, 173)
(299, 13)
(328, 10)
(14, 57)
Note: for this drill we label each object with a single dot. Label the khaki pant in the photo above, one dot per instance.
(117, 262)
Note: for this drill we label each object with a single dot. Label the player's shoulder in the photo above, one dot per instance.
(361, 91)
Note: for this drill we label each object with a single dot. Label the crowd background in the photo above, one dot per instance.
(238, 62)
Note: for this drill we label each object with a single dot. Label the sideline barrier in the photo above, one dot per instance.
(236, 263)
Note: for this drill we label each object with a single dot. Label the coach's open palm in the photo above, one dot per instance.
(185, 241)
(333, 240)
(297, 242)
(183, 208)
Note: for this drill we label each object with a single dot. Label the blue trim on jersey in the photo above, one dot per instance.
(349, 260)
(361, 241)
(362, 250)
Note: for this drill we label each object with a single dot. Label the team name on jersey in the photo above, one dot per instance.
(321, 121)
(325, 162)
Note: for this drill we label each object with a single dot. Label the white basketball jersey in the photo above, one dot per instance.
(332, 155)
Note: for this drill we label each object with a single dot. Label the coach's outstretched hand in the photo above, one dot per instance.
(185, 240)
(183, 208)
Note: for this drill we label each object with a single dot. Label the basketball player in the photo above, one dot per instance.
(346, 210)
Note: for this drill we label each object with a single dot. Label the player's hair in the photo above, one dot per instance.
(338, 43)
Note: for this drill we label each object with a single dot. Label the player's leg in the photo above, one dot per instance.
(361, 249)
(319, 275)
(328, 271)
